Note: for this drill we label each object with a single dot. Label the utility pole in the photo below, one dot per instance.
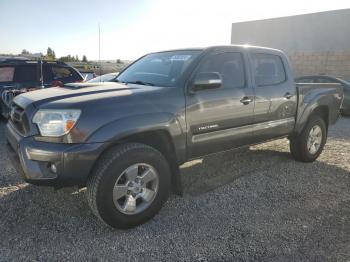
(99, 47)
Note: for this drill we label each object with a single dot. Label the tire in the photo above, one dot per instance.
(299, 144)
(114, 166)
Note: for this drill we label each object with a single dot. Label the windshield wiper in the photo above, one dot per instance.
(138, 82)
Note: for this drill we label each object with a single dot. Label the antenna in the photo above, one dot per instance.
(99, 47)
(41, 73)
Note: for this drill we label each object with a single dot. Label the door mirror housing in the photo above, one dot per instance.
(206, 80)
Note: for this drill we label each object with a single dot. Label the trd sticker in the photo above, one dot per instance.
(202, 128)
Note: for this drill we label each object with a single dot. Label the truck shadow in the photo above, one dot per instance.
(342, 130)
(211, 172)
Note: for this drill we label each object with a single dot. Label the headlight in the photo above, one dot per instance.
(56, 123)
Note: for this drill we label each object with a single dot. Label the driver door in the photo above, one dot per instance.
(218, 119)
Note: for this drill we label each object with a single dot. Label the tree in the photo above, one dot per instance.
(25, 52)
(76, 58)
(50, 54)
(49, 51)
(84, 58)
(119, 61)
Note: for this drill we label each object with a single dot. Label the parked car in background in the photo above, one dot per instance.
(345, 109)
(87, 74)
(21, 75)
(124, 140)
(104, 78)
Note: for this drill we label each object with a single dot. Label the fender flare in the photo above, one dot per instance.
(308, 108)
(121, 129)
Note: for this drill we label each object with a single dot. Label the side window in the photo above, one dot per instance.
(229, 65)
(61, 72)
(268, 69)
(6, 74)
(26, 73)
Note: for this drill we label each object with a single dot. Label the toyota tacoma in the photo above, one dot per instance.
(124, 140)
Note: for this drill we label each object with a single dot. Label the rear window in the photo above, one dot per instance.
(6, 74)
(268, 69)
(26, 73)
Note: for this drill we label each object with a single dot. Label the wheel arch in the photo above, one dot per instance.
(323, 112)
(161, 140)
(316, 109)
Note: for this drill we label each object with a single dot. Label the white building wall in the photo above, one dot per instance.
(317, 43)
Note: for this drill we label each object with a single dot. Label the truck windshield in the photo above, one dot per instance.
(158, 69)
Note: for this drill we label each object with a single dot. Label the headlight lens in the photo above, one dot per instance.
(56, 122)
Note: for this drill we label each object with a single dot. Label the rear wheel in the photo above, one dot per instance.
(308, 145)
(129, 186)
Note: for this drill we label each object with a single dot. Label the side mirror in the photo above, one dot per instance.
(207, 80)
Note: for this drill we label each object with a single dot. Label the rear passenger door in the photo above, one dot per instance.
(275, 96)
(219, 119)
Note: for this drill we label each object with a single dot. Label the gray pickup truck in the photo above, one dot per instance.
(124, 140)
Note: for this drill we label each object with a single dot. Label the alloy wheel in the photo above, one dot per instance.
(314, 140)
(136, 188)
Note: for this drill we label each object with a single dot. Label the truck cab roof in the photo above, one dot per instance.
(226, 48)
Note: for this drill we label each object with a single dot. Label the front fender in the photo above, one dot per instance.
(121, 128)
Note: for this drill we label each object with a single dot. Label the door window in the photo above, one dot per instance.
(61, 72)
(230, 67)
(64, 74)
(268, 69)
(6, 74)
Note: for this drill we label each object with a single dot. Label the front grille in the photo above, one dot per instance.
(19, 119)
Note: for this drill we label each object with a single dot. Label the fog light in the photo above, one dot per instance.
(53, 168)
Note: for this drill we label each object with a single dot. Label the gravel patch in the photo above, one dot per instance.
(254, 204)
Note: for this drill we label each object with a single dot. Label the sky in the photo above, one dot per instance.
(131, 28)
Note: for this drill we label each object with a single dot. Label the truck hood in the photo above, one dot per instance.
(79, 93)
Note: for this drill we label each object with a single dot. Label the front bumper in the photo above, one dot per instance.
(33, 159)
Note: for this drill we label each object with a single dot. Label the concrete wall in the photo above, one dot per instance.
(330, 63)
(316, 43)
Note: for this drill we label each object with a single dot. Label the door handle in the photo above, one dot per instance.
(288, 95)
(246, 100)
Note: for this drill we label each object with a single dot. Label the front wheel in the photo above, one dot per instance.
(129, 186)
(308, 145)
